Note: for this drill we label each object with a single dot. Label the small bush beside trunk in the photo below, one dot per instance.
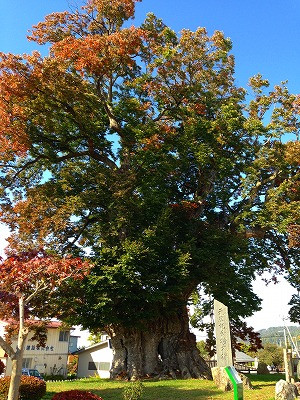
(133, 391)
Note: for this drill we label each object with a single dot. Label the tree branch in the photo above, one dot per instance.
(26, 165)
(282, 251)
(113, 123)
(38, 288)
(7, 348)
(100, 157)
(72, 242)
(90, 152)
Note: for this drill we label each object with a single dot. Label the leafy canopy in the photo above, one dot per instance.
(135, 142)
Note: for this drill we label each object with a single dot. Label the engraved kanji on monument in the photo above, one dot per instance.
(223, 340)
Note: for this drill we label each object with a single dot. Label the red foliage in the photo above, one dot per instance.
(31, 388)
(244, 332)
(188, 208)
(76, 395)
(22, 274)
(32, 277)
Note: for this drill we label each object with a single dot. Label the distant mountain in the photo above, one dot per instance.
(275, 335)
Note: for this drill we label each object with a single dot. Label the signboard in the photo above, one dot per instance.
(223, 341)
(238, 393)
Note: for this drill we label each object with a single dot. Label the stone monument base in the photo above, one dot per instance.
(223, 382)
(221, 379)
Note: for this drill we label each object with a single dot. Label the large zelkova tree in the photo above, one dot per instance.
(136, 144)
(31, 285)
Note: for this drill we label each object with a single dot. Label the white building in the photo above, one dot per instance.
(51, 359)
(95, 360)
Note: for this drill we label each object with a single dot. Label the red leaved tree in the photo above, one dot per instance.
(30, 284)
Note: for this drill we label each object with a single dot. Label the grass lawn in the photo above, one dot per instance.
(192, 389)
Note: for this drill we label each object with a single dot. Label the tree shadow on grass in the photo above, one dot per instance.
(262, 385)
(262, 381)
(175, 393)
(265, 378)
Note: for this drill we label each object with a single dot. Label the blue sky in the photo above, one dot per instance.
(266, 40)
(265, 33)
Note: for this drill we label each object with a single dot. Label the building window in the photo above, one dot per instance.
(63, 336)
(92, 366)
(26, 363)
(104, 366)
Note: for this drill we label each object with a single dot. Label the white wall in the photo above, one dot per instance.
(95, 355)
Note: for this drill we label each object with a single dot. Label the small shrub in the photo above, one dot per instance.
(4, 385)
(75, 395)
(72, 365)
(262, 368)
(31, 388)
(133, 391)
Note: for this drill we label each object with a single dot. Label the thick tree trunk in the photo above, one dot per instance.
(164, 348)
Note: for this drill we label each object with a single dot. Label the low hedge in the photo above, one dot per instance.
(76, 395)
(55, 377)
(31, 388)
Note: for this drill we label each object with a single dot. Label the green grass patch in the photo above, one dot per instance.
(191, 389)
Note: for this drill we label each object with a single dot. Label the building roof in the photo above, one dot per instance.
(105, 343)
(54, 324)
(50, 324)
(241, 357)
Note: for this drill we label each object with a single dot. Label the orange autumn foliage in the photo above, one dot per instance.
(107, 17)
(13, 91)
(99, 54)
(123, 8)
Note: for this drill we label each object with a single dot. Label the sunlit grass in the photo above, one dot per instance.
(191, 389)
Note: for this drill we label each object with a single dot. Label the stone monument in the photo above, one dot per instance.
(223, 340)
(224, 353)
